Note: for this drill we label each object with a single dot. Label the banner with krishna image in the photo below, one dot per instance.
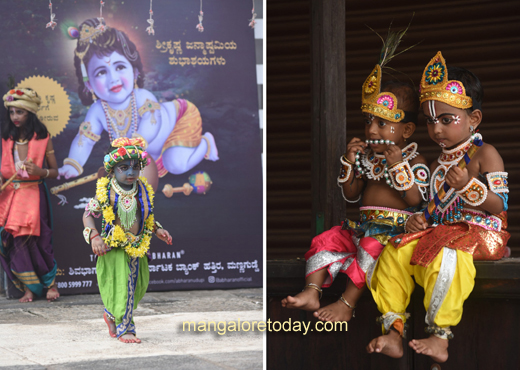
(182, 81)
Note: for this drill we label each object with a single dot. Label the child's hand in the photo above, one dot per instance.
(164, 235)
(416, 223)
(457, 178)
(33, 169)
(98, 246)
(393, 154)
(355, 145)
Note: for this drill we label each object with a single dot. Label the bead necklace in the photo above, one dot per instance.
(126, 204)
(116, 119)
(375, 164)
(25, 142)
(450, 208)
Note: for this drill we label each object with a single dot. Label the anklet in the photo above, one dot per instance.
(353, 308)
(315, 287)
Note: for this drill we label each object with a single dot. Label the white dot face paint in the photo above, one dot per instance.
(457, 120)
(392, 130)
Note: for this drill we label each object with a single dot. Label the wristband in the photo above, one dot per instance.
(401, 175)
(474, 193)
(345, 170)
(86, 234)
(92, 237)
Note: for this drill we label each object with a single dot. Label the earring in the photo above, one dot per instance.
(471, 129)
(94, 97)
(135, 84)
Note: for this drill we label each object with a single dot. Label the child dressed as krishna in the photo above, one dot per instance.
(125, 202)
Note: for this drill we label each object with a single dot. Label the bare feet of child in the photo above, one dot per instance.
(213, 151)
(27, 297)
(390, 345)
(337, 311)
(129, 338)
(435, 347)
(307, 300)
(52, 293)
(111, 325)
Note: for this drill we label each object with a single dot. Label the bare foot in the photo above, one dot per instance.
(129, 338)
(213, 152)
(111, 325)
(433, 346)
(52, 293)
(390, 345)
(337, 311)
(27, 297)
(307, 300)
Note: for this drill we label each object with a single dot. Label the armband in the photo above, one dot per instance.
(345, 170)
(86, 234)
(497, 183)
(93, 208)
(73, 163)
(421, 174)
(401, 175)
(84, 130)
(474, 193)
(149, 106)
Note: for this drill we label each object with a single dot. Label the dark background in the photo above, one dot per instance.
(225, 225)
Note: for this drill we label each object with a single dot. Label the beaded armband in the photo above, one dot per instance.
(149, 106)
(402, 176)
(84, 130)
(93, 208)
(474, 193)
(345, 170)
(74, 163)
(497, 183)
(421, 174)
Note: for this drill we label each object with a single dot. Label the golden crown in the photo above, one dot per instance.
(374, 102)
(435, 85)
(87, 33)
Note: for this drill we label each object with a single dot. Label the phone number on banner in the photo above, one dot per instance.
(75, 284)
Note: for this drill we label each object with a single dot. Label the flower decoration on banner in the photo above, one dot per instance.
(150, 29)
(252, 21)
(199, 26)
(52, 23)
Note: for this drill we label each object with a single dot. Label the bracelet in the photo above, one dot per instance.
(92, 237)
(474, 193)
(497, 182)
(401, 175)
(157, 226)
(75, 164)
(353, 308)
(86, 234)
(345, 170)
(47, 174)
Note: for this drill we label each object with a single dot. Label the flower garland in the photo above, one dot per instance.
(114, 235)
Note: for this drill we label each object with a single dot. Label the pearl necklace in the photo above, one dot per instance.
(452, 156)
(126, 204)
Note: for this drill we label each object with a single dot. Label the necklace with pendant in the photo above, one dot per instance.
(116, 119)
(126, 204)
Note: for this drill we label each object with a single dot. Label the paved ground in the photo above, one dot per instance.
(71, 334)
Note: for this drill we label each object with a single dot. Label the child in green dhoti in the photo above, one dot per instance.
(126, 204)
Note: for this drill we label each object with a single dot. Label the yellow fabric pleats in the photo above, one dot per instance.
(391, 283)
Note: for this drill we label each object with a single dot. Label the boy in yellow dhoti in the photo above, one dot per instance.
(469, 220)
